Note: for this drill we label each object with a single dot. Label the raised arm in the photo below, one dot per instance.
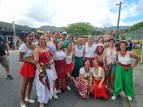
(18, 39)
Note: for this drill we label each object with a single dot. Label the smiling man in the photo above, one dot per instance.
(64, 40)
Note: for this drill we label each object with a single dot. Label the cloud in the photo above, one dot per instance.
(63, 12)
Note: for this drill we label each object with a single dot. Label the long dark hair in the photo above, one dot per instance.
(118, 47)
(83, 63)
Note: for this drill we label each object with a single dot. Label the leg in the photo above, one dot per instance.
(70, 78)
(128, 83)
(23, 88)
(118, 80)
(29, 88)
(7, 70)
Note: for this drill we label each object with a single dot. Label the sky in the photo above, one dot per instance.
(61, 13)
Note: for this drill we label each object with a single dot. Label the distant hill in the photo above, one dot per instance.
(107, 29)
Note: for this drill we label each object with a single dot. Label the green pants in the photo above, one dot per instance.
(123, 78)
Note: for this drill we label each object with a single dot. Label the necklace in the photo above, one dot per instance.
(43, 47)
(87, 72)
(30, 46)
(91, 49)
(79, 47)
(69, 52)
(123, 54)
(47, 54)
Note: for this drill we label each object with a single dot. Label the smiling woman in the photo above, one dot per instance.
(44, 76)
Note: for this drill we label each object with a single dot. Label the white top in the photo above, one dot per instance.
(138, 45)
(27, 52)
(90, 52)
(111, 58)
(79, 53)
(68, 58)
(99, 74)
(59, 55)
(124, 60)
(82, 71)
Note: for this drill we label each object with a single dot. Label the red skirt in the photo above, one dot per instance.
(28, 70)
(61, 73)
(83, 88)
(100, 92)
(91, 59)
(69, 67)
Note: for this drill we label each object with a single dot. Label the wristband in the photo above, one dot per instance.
(40, 71)
(52, 61)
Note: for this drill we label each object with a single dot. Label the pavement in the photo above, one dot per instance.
(10, 91)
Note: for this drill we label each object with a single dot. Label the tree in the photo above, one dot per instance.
(81, 28)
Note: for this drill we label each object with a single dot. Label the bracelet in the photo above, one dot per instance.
(36, 58)
(52, 61)
(40, 70)
(27, 61)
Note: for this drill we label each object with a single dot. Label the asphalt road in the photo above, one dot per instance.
(10, 92)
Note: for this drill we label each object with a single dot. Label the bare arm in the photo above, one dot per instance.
(100, 59)
(83, 52)
(82, 78)
(113, 34)
(73, 60)
(103, 76)
(52, 54)
(134, 55)
(36, 56)
(90, 78)
(19, 39)
(7, 49)
(104, 55)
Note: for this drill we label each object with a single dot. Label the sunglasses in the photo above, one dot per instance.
(64, 34)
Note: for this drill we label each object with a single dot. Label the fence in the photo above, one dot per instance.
(136, 35)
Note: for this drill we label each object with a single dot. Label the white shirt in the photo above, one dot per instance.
(138, 45)
(90, 52)
(68, 58)
(27, 52)
(59, 55)
(82, 71)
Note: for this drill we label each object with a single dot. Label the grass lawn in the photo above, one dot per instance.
(138, 52)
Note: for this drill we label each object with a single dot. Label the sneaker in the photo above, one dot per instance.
(59, 91)
(9, 77)
(129, 98)
(55, 96)
(68, 87)
(23, 105)
(30, 101)
(56, 91)
(113, 97)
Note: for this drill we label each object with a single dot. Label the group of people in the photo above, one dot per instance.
(93, 68)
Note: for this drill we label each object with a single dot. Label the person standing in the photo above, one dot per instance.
(79, 53)
(83, 41)
(90, 50)
(44, 76)
(28, 68)
(60, 66)
(124, 71)
(110, 58)
(52, 47)
(3, 57)
(64, 40)
(70, 61)
(130, 44)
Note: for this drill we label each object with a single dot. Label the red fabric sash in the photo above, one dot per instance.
(125, 66)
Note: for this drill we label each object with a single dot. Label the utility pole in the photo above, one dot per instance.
(118, 20)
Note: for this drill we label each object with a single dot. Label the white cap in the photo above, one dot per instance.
(64, 33)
